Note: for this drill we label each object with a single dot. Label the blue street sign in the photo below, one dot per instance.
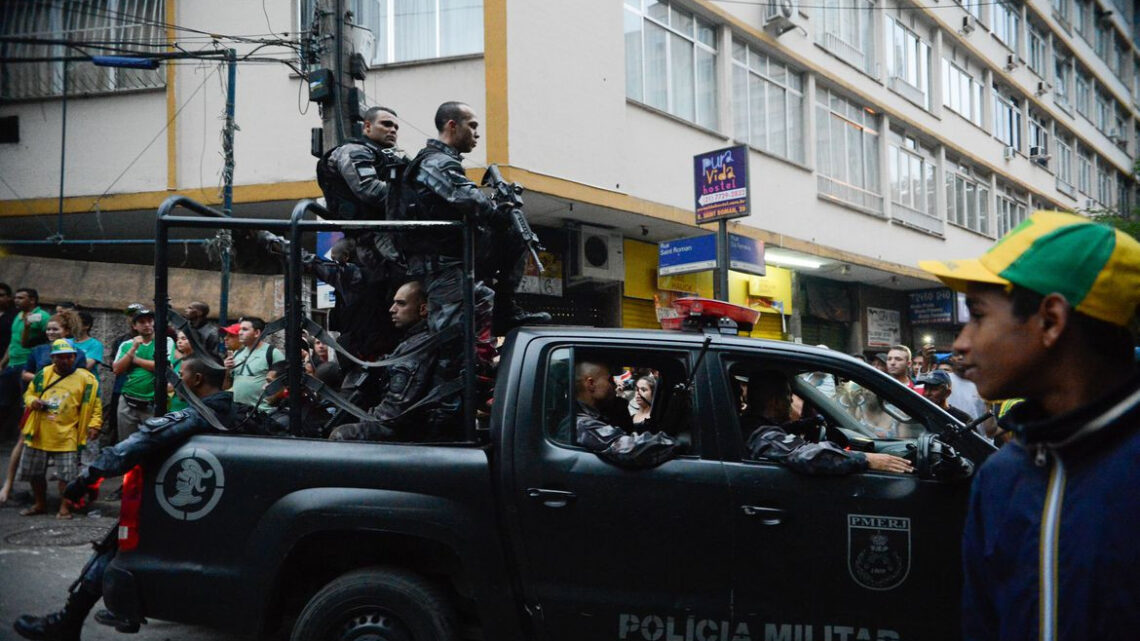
(746, 255)
(932, 306)
(686, 255)
(720, 184)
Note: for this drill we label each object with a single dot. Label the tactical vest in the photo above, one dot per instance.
(339, 199)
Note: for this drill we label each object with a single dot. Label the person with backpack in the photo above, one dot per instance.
(435, 187)
(356, 178)
(246, 370)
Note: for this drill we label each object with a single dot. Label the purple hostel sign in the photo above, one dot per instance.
(720, 184)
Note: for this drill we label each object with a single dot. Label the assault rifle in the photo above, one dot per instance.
(511, 194)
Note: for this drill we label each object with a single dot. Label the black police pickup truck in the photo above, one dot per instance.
(529, 536)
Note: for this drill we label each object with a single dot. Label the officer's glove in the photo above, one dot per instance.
(501, 216)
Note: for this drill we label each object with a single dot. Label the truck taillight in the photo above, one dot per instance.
(129, 509)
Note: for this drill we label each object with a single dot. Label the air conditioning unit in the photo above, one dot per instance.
(596, 254)
(1038, 152)
(779, 16)
(968, 25)
(1009, 152)
(1043, 88)
(1011, 62)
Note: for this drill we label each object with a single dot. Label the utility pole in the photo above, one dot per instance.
(336, 49)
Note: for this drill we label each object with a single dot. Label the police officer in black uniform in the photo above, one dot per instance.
(419, 404)
(356, 178)
(593, 386)
(155, 438)
(773, 436)
(440, 190)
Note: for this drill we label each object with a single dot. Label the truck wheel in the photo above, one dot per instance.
(377, 604)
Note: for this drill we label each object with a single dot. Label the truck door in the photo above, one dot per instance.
(617, 553)
(868, 555)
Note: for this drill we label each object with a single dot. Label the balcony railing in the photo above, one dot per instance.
(857, 197)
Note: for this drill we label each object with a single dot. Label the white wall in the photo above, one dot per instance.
(567, 90)
(103, 135)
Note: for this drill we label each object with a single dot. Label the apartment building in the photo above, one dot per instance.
(878, 133)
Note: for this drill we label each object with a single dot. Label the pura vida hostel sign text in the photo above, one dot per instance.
(720, 184)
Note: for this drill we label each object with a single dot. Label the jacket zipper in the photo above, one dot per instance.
(1050, 530)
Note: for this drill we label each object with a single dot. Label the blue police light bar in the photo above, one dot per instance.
(125, 62)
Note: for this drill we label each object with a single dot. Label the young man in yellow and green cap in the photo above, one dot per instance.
(1049, 549)
(63, 406)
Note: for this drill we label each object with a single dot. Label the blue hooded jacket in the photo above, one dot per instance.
(1051, 549)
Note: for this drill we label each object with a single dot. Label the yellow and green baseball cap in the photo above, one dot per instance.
(1095, 267)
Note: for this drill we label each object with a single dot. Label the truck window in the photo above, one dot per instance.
(644, 396)
(846, 404)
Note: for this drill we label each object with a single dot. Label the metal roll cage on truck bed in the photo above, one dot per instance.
(292, 229)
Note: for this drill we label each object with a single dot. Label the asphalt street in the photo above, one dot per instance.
(40, 556)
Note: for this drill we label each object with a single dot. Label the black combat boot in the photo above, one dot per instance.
(58, 626)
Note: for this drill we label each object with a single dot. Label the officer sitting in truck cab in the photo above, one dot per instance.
(772, 435)
(594, 387)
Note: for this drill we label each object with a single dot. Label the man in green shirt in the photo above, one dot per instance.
(135, 360)
(28, 330)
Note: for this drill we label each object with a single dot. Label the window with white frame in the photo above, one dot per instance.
(908, 62)
(962, 92)
(1038, 51)
(768, 103)
(1007, 119)
(1119, 124)
(1083, 94)
(1064, 164)
(1062, 77)
(671, 60)
(1011, 210)
(967, 197)
(1061, 9)
(1115, 56)
(1007, 23)
(977, 8)
(1102, 115)
(1038, 138)
(1105, 182)
(1084, 171)
(1081, 12)
(1102, 35)
(847, 147)
(1123, 193)
(140, 23)
(1136, 78)
(912, 181)
(845, 28)
(410, 30)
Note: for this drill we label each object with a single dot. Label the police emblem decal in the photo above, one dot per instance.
(190, 484)
(878, 550)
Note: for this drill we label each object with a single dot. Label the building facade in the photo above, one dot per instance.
(878, 133)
